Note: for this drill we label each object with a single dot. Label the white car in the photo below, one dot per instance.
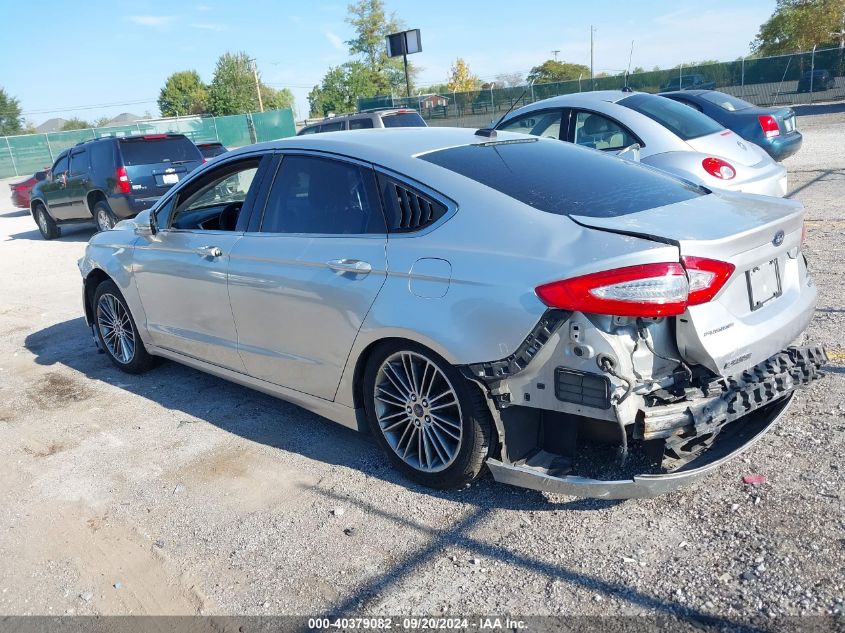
(662, 133)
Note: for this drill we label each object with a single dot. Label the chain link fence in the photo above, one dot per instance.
(23, 155)
(800, 78)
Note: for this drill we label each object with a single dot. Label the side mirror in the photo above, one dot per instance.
(147, 230)
(632, 152)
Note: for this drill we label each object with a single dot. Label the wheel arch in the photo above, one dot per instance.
(33, 203)
(93, 197)
(90, 283)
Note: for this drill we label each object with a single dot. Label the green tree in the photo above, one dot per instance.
(11, 121)
(371, 26)
(183, 93)
(75, 123)
(553, 70)
(798, 25)
(277, 99)
(101, 121)
(340, 89)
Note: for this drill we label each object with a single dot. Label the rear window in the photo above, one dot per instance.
(565, 179)
(403, 119)
(151, 151)
(725, 101)
(211, 150)
(679, 119)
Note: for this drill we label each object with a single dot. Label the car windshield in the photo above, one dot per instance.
(403, 119)
(678, 118)
(564, 179)
(153, 150)
(726, 101)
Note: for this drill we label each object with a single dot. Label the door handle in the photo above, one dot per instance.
(350, 266)
(209, 251)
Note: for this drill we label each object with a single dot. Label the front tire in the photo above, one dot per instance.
(104, 216)
(116, 331)
(433, 424)
(46, 224)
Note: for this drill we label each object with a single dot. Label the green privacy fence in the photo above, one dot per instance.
(23, 155)
(797, 79)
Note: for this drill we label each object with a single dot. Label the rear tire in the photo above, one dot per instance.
(104, 217)
(46, 224)
(116, 330)
(433, 424)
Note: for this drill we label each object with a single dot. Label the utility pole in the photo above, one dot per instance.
(555, 53)
(592, 75)
(257, 84)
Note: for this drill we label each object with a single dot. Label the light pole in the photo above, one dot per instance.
(592, 75)
(257, 84)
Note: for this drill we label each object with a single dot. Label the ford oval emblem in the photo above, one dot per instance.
(778, 239)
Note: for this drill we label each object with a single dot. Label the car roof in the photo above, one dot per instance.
(611, 96)
(395, 148)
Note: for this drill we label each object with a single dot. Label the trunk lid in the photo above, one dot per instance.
(726, 144)
(768, 300)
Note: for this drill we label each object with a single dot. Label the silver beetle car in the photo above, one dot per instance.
(660, 132)
(579, 323)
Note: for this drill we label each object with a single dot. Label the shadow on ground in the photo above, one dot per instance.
(80, 233)
(255, 417)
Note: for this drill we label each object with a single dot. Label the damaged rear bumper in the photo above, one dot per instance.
(727, 446)
(716, 428)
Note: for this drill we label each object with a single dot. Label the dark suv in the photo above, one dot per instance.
(110, 179)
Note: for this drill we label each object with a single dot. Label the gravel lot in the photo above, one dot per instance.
(178, 493)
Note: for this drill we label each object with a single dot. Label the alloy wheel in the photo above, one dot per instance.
(116, 328)
(42, 221)
(418, 411)
(104, 222)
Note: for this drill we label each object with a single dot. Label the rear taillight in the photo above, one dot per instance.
(719, 168)
(123, 184)
(706, 278)
(770, 125)
(649, 290)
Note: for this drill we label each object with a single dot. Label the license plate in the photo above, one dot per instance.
(169, 179)
(763, 284)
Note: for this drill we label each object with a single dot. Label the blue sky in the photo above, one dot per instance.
(113, 58)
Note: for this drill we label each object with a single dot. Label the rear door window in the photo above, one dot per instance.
(564, 179)
(315, 195)
(335, 126)
(360, 124)
(679, 119)
(79, 162)
(154, 150)
(102, 157)
(403, 119)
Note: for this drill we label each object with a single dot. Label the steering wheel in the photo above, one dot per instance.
(229, 216)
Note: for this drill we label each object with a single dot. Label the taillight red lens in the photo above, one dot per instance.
(719, 168)
(770, 125)
(706, 278)
(123, 184)
(649, 290)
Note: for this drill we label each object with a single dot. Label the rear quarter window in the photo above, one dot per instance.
(565, 179)
(152, 151)
(403, 119)
(678, 118)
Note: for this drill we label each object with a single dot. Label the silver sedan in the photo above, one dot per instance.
(576, 322)
(657, 131)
